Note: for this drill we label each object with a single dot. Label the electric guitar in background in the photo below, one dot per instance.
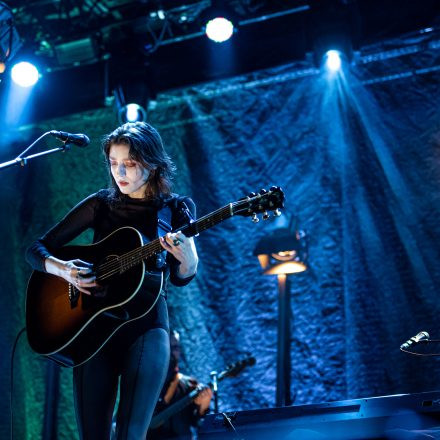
(231, 370)
(70, 327)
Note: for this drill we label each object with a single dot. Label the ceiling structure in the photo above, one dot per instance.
(85, 49)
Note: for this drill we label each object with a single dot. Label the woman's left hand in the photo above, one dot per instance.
(184, 250)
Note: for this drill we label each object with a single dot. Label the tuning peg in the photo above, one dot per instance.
(263, 191)
(255, 218)
(277, 212)
(266, 215)
(252, 194)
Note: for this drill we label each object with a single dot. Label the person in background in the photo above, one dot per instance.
(183, 424)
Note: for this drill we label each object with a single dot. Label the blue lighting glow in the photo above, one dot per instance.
(132, 113)
(333, 60)
(219, 29)
(24, 74)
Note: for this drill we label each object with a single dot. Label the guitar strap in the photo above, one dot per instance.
(164, 221)
(174, 213)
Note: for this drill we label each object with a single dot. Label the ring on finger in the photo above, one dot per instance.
(176, 242)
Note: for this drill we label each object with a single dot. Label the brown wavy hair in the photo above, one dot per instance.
(146, 147)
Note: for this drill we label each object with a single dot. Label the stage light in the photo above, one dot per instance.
(333, 60)
(132, 113)
(219, 29)
(24, 74)
(282, 253)
(334, 35)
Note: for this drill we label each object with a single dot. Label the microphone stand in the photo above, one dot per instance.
(20, 160)
(214, 382)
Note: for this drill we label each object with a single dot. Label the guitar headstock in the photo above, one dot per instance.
(235, 368)
(263, 202)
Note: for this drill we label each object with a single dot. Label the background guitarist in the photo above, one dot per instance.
(183, 424)
(138, 353)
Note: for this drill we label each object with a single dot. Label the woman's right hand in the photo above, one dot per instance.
(77, 272)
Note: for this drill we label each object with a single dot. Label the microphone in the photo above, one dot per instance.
(422, 336)
(80, 140)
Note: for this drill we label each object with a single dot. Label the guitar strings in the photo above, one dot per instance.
(129, 254)
(128, 260)
(155, 245)
(135, 256)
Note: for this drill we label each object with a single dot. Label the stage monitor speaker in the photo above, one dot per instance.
(397, 417)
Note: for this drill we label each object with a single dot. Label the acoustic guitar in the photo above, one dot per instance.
(70, 327)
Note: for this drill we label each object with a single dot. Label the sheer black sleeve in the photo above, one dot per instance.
(80, 218)
(180, 219)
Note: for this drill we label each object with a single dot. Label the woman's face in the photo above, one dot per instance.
(130, 176)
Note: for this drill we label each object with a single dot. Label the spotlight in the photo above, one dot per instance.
(132, 113)
(24, 74)
(334, 32)
(218, 21)
(333, 60)
(219, 29)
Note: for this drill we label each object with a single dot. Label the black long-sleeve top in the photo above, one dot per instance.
(104, 213)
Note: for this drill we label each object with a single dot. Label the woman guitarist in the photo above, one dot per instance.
(136, 357)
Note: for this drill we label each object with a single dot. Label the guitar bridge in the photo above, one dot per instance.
(73, 296)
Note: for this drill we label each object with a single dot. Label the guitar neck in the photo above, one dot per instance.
(190, 230)
(175, 408)
(208, 221)
(193, 228)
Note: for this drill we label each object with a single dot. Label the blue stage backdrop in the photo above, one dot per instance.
(357, 155)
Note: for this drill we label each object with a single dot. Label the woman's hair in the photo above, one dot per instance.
(146, 147)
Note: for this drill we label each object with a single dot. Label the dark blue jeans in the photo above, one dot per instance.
(141, 367)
